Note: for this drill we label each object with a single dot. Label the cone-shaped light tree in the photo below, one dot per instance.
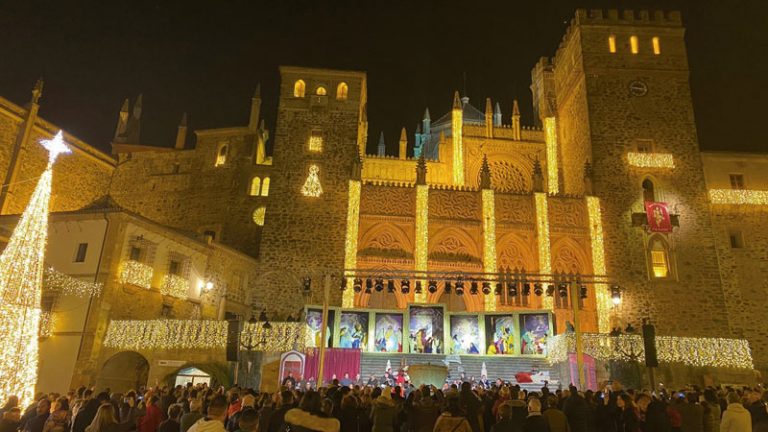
(21, 280)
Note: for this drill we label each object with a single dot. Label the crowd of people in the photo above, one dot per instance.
(355, 408)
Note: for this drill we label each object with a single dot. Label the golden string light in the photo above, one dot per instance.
(422, 235)
(281, 337)
(57, 281)
(136, 273)
(489, 243)
(350, 244)
(47, 321)
(738, 196)
(175, 286)
(312, 187)
(542, 237)
(712, 352)
(457, 124)
(602, 296)
(550, 135)
(651, 160)
(21, 280)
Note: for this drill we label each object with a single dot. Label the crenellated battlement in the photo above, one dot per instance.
(627, 17)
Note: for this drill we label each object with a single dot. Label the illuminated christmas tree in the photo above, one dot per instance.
(21, 280)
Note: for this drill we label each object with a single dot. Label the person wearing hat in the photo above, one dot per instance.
(384, 412)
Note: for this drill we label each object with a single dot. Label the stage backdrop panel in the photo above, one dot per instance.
(534, 332)
(465, 335)
(388, 332)
(500, 334)
(353, 330)
(426, 331)
(314, 328)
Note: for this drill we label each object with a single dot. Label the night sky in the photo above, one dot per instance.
(206, 59)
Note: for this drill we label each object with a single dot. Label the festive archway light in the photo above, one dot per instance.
(21, 281)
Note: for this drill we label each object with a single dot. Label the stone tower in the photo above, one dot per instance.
(622, 89)
(320, 117)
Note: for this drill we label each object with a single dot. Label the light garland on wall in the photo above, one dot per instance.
(21, 280)
(175, 286)
(58, 281)
(47, 321)
(602, 296)
(542, 237)
(651, 160)
(701, 352)
(350, 244)
(738, 196)
(489, 243)
(422, 235)
(136, 273)
(457, 124)
(312, 187)
(550, 135)
(166, 334)
(281, 337)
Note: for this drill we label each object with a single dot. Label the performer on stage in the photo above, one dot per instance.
(289, 381)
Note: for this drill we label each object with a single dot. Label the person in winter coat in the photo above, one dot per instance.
(471, 406)
(309, 416)
(577, 410)
(535, 422)
(506, 422)
(105, 420)
(11, 420)
(195, 413)
(736, 418)
(425, 412)
(349, 414)
(653, 413)
(452, 419)
(628, 419)
(214, 419)
(384, 412)
(691, 413)
(556, 419)
(150, 421)
(712, 412)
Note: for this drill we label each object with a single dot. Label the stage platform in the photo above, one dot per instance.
(498, 367)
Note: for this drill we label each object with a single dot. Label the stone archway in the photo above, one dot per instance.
(127, 370)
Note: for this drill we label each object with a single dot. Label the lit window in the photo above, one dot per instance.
(320, 91)
(634, 44)
(737, 181)
(255, 186)
(659, 260)
(341, 91)
(258, 216)
(316, 141)
(265, 187)
(299, 88)
(656, 45)
(82, 249)
(649, 192)
(612, 44)
(221, 157)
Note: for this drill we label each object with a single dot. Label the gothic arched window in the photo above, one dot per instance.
(299, 88)
(649, 190)
(341, 91)
(255, 186)
(659, 258)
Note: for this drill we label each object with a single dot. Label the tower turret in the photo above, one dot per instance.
(457, 122)
(181, 133)
(497, 115)
(515, 121)
(488, 118)
(381, 150)
(403, 144)
(253, 120)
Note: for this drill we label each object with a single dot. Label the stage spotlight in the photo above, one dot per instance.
(512, 289)
(562, 290)
(616, 295)
(343, 284)
(537, 289)
(368, 285)
(432, 286)
(526, 289)
(391, 286)
(447, 288)
(418, 287)
(379, 285)
(358, 285)
(486, 288)
(405, 286)
(460, 287)
(307, 283)
(473, 288)
(583, 291)
(550, 290)
(498, 288)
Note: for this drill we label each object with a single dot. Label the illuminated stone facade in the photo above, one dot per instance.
(563, 196)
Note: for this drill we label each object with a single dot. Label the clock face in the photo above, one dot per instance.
(638, 88)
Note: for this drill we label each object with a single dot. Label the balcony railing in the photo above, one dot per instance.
(136, 273)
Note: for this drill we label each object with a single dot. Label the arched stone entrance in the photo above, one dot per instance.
(123, 371)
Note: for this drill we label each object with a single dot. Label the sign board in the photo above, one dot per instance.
(171, 363)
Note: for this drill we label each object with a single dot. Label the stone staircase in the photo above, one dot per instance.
(497, 367)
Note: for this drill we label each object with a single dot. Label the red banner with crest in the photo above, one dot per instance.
(658, 217)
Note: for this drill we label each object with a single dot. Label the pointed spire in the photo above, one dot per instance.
(382, 148)
(126, 106)
(515, 108)
(403, 143)
(538, 177)
(421, 170)
(137, 107)
(485, 174)
(488, 107)
(516, 135)
(488, 118)
(183, 122)
(181, 133)
(37, 90)
(122, 121)
(456, 101)
(253, 119)
(497, 115)
(418, 128)
(497, 109)
(257, 92)
(426, 114)
(403, 135)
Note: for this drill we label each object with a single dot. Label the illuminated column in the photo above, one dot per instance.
(542, 236)
(489, 245)
(602, 297)
(350, 253)
(457, 120)
(422, 236)
(550, 134)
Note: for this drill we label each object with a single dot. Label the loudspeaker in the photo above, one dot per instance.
(649, 344)
(233, 339)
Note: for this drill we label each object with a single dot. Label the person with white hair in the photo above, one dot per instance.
(535, 421)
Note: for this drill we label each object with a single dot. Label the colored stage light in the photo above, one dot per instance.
(460, 287)
(343, 284)
(473, 288)
(307, 284)
(562, 290)
(512, 289)
(447, 288)
(550, 290)
(432, 286)
(498, 288)
(418, 287)
(526, 289)
(391, 286)
(405, 286)
(379, 285)
(368, 285)
(616, 295)
(583, 291)
(358, 285)
(486, 288)
(537, 289)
